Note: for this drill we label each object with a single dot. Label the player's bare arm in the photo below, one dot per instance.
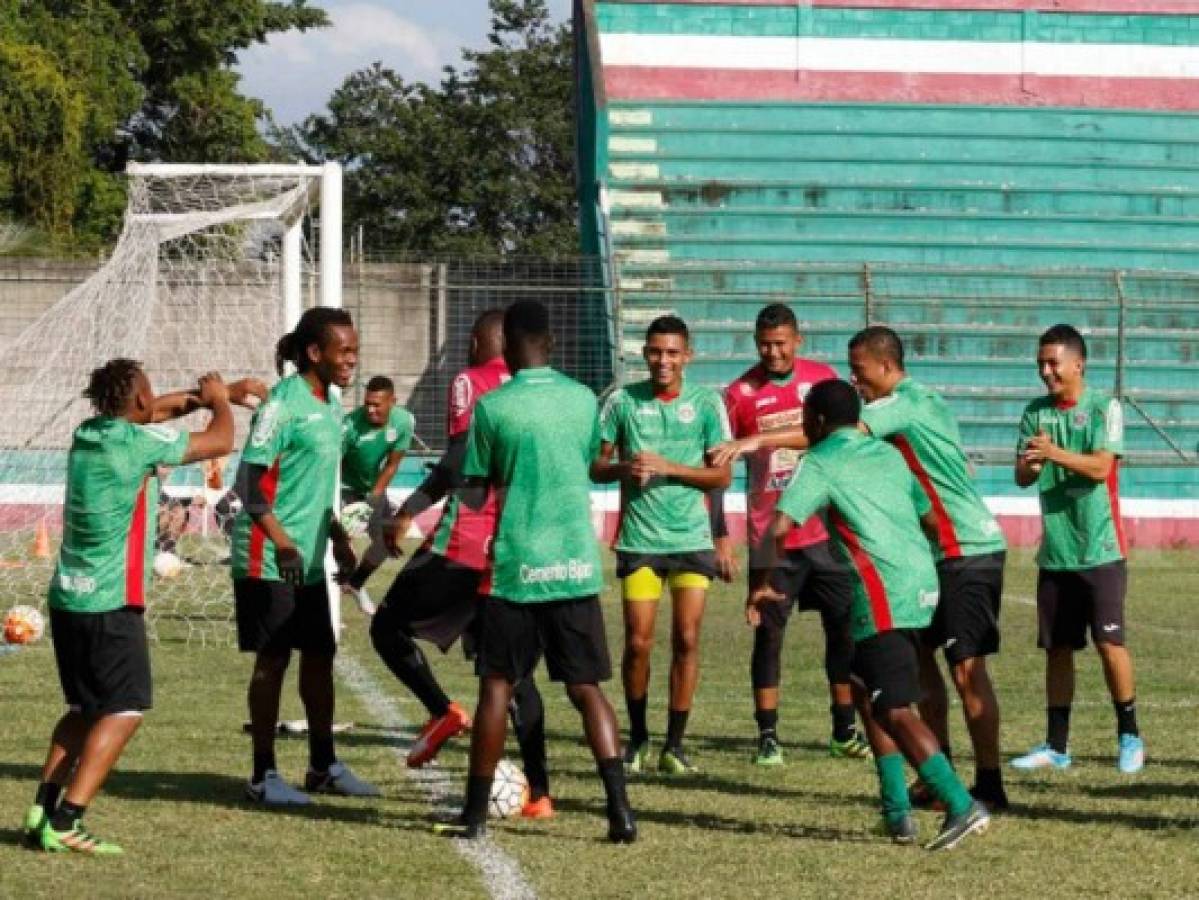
(784, 438)
(386, 474)
(605, 469)
(647, 465)
(247, 392)
(217, 438)
(1095, 466)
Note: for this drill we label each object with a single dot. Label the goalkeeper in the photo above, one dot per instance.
(375, 438)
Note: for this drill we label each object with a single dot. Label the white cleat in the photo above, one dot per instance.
(274, 791)
(339, 780)
(363, 599)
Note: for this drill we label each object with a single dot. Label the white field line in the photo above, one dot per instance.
(501, 874)
(1130, 625)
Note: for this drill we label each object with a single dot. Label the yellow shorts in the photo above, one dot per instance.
(646, 584)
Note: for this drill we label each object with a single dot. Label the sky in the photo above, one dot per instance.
(294, 74)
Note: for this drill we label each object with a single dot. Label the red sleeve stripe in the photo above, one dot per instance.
(269, 485)
(947, 536)
(1113, 498)
(876, 592)
(135, 552)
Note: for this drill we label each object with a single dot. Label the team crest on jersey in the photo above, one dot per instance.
(1080, 418)
(392, 434)
(801, 390)
(268, 422)
(747, 389)
(686, 413)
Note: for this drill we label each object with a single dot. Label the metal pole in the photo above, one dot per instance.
(867, 294)
(1120, 337)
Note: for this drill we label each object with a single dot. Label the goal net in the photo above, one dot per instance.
(208, 272)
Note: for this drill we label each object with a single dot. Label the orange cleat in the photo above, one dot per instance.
(435, 733)
(541, 808)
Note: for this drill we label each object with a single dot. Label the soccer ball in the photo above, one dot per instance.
(167, 564)
(355, 517)
(509, 791)
(23, 625)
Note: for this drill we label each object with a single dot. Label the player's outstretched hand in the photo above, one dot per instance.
(727, 566)
(347, 562)
(646, 466)
(213, 389)
(730, 451)
(753, 604)
(291, 565)
(248, 392)
(1039, 449)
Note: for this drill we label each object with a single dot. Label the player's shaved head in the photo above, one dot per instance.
(487, 337)
(527, 338)
(829, 406)
(880, 342)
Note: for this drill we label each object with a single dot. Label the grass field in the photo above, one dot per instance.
(805, 830)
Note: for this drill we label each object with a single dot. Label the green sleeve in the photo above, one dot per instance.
(919, 498)
(806, 493)
(1028, 429)
(716, 422)
(1107, 427)
(479, 443)
(269, 432)
(887, 416)
(610, 418)
(405, 425)
(160, 445)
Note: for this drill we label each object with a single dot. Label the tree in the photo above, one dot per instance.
(481, 164)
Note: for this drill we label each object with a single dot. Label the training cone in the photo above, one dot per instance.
(41, 541)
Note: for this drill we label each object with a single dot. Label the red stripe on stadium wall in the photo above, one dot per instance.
(876, 592)
(269, 485)
(1132, 7)
(135, 552)
(947, 536)
(670, 83)
(1113, 497)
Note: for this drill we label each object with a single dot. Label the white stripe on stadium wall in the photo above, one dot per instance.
(881, 55)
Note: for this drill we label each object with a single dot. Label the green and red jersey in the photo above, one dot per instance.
(107, 553)
(917, 421)
(534, 439)
(664, 516)
(1080, 518)
(366, 447)
(297, 436)
(874, 509)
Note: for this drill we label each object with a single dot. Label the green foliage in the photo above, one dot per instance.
(482, 164)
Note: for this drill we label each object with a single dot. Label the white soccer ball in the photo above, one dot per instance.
(509, 791)
(355, 517)
(23, 625)
(167, 564)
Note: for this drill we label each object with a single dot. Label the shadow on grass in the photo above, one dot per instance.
(1143, 790)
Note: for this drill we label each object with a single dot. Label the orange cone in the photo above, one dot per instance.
(41, 541)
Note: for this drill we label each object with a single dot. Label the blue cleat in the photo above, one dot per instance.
(1042, 756)
(1132, 754)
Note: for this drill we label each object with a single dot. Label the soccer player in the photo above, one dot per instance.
(662, 430)
(436, 596)
(97, 595)
(533, 441)
(376, 435)
(969, 549)
(767, 402)
(286, 481)
(876, 509)
(1070, 445)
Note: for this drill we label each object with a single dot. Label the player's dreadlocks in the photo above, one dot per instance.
(311, 329)
(111, 385)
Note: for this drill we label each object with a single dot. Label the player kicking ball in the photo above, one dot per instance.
(876, 509)
(376, 436)
(286, 481)
(662, 430)
(533, 441)
(97, 595)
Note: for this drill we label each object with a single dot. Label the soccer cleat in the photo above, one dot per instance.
(541, 808)
(770, 753)
(636, 758)
(901, 829)
(75, 840)
(339, 780)
(955, 829)
(436, 732)
(1042, 756)
(460, 828)
(674, 761)
(920, 797)
(853, 748)
(35, 818)
(1132, 754)
(363, 599)
(274, 791)
(622, 825)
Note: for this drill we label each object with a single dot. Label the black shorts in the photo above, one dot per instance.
(273, 616)
(889, 665)
(103, 660)
(570, 633)
(433, 599)
(811, 578)
(701, 562)
(1069, 602)
(966, 622)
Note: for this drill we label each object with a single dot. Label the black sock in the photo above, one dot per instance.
(1059, 727)
(1126, 717)
(320, 752)
(67, 814)
(263, 763)
(988, 782)
(407, 662)
(611, 773)
(478, 793)
(358, 579)
(638, 728)
(843, 719)
(768, 722)
(676, 727)
(47, 796)
(528, 721)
